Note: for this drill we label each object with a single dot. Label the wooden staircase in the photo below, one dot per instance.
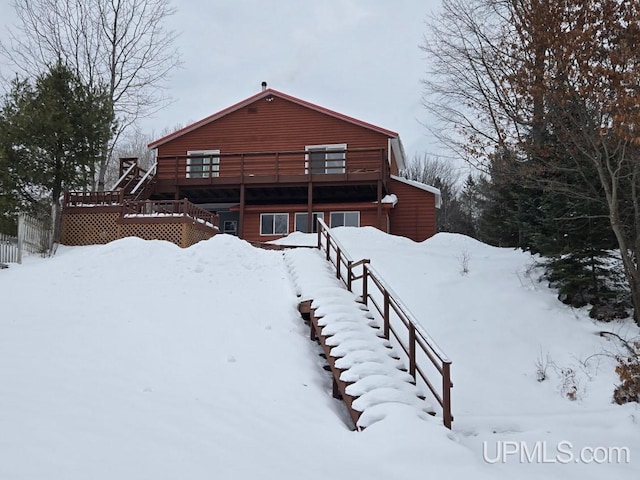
(368, 373)
(380, 356)
(135, 182)
(363, 375)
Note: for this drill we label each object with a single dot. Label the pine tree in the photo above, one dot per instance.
(52, 132)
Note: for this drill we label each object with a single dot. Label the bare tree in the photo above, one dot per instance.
(464, 84)
(454, 214)
(556, 83)
(133, 144)
(124, 46)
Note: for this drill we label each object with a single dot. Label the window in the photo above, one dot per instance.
(203, 164)
(325, 158)
(345, 219)
(230, 227)
(274, 223)
(301, 222)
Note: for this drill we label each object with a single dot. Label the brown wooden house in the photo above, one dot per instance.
(269, 165)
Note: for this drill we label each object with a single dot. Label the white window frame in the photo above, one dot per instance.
(213, 163)
(314, 227)
(339, 158)
(262, 234)
(343, 213)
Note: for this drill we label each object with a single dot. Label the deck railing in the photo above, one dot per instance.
(83, 199)
(169, 208)
(272, 165)
(426, 360)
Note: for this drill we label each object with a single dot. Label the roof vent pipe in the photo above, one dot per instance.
(264, 86)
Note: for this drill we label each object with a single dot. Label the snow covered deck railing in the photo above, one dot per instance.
(163, 208)
(426, 359)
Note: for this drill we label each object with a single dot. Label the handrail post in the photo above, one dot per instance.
(319, 227)
(349, 274)
(365, 284)
(386, 313)
(446, 394)
(328, 252)
(338, 261)
(412, 350)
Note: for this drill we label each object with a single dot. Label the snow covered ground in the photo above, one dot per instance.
(145, 361)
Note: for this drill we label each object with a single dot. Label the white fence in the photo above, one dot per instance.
(9, 249)
(33, 237)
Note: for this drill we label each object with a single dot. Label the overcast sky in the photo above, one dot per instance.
(359, 57)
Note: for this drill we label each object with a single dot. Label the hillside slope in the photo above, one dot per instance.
(141, 360)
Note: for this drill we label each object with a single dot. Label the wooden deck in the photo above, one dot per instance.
(274, 168)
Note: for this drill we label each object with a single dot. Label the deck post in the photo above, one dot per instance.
(309, 207)
(379, 212)
(241, 213)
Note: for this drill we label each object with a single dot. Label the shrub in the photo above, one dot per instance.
(628, 370)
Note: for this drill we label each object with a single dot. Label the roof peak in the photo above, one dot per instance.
(266, 91)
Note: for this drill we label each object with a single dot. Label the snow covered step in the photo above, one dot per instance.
(367, 372)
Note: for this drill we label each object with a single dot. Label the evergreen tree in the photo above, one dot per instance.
(508, 207)
(52, 132)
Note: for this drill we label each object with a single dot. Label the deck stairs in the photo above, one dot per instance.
(367, 371)
(136, 182)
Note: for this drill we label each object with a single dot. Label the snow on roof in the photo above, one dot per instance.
(263, 94)
(421, 186)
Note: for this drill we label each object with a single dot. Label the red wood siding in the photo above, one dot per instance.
(270, 126)
(251, 228)
(414, 216)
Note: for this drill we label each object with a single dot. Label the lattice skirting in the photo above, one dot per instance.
(104, 227)
(89, 228)
(194, 233)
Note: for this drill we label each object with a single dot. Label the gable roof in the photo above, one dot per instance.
(263, 94)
